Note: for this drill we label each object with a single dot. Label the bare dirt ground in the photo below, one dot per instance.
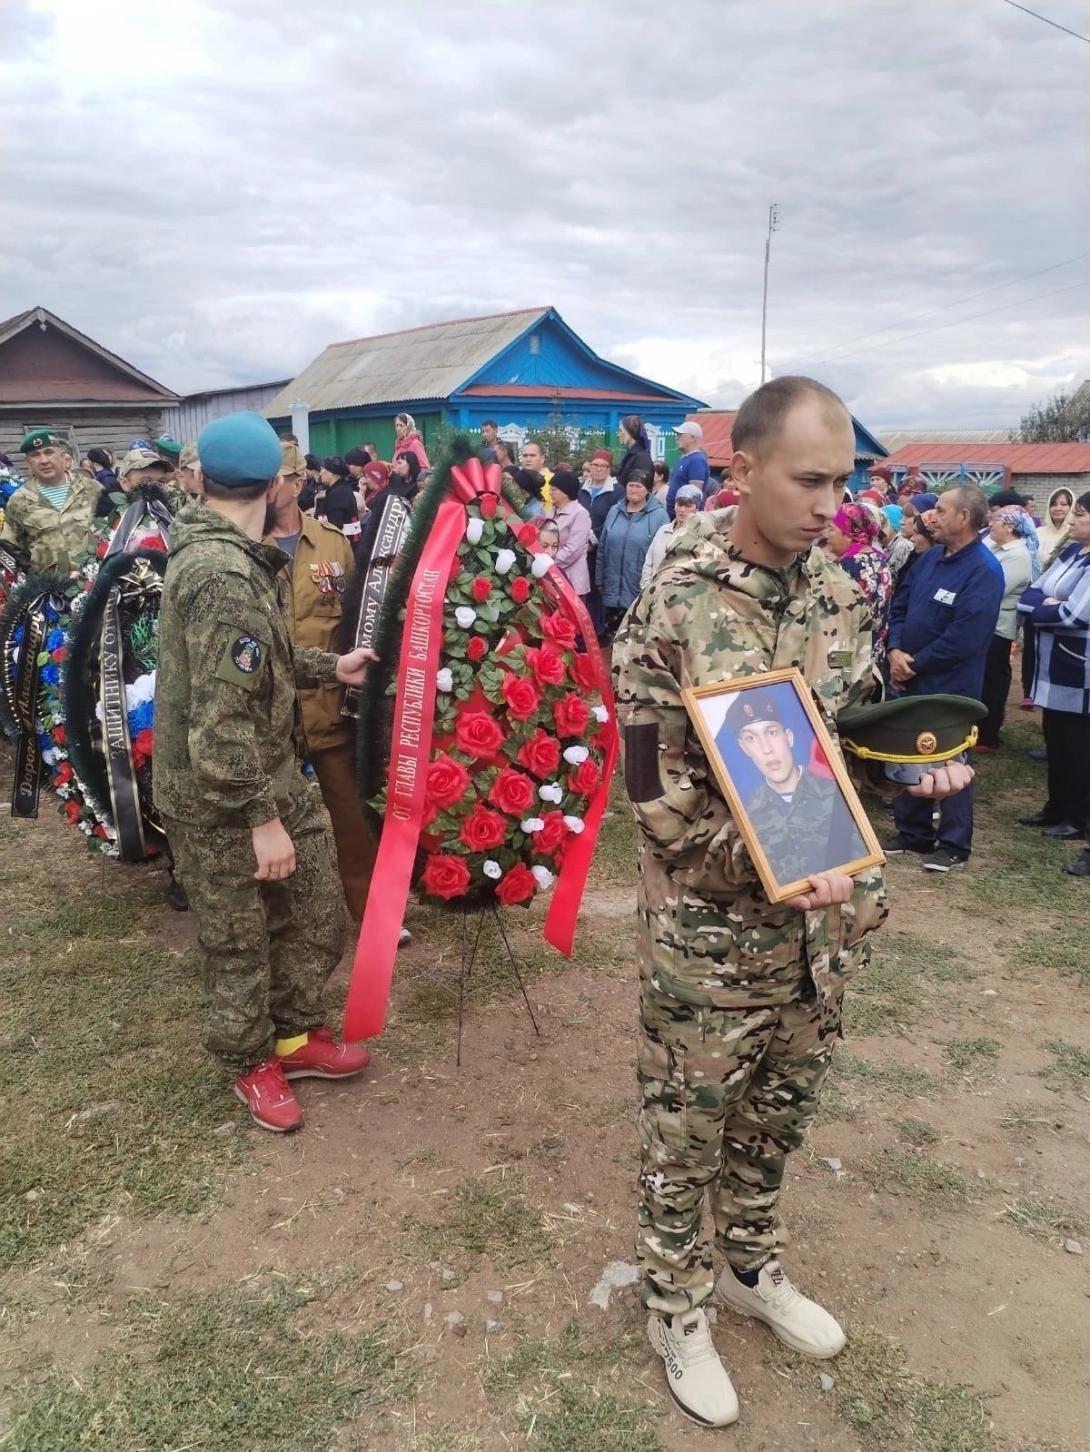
(177, 1279)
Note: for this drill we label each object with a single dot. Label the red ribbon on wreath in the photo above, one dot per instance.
(410, 754)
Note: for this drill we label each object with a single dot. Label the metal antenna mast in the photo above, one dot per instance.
(773, 225)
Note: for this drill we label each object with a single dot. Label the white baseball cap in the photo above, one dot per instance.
(690, 430)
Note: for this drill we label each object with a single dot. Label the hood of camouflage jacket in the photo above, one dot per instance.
(196, 524)
(703, 547)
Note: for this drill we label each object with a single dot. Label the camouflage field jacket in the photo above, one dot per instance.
(226, 713)
(708, 933)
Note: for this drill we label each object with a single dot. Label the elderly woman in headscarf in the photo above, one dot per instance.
(1006, 538)
(852, 540)
(409, 440)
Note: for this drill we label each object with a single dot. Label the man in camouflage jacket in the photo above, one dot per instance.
(740, 1000)
(47, 520)
(249, 833)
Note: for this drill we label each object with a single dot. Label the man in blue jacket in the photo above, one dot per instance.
(939, 630)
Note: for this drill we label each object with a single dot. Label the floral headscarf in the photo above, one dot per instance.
(1014, 517)
(859, 525)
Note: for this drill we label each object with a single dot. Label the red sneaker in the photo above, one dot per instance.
(322, 1057)
(267, 1095)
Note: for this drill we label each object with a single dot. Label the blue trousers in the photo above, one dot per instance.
(914, 820)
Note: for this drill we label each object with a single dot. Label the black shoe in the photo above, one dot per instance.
(1064, 832)
(943, 861)
(1037, 755)
(897, 845)
(1080, 867)
(1036, 819)
(176, 897)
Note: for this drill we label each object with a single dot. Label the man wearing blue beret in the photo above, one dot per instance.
(249, 833)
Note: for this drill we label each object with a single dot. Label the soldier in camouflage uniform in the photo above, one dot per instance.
(249, 833)
(740, 1000)
(46, 521)
(801, 820)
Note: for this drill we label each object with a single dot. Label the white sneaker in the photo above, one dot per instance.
(799, 1322)
(695, 1377)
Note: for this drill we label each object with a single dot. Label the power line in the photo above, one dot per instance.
(1054, 23)
(942, 308)
(972, 318)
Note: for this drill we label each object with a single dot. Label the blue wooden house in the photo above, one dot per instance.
(522, 370)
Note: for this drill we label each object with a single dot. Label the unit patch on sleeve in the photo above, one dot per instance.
(241, 661)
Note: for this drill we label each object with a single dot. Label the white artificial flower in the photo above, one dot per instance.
(465, 616)
(493, 870)
(139, 691)
(543, 877)
(550, 792)
(574, 825)
(504, 560)
(532, 824)
(474, 531)
(444, 679)
(601, 715)
(576, 755)
(49, 756)
(542, 565)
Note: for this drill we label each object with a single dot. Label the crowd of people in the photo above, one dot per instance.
(922, 594)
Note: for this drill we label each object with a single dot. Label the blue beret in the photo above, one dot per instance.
(239, 449)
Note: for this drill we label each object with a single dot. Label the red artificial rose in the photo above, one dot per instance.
(480, 589)
(64, 774)
(559, 628)
(448, 782)
(585, 778)
(477, 648)
(488, 505)
(602, 739)
(482, 830)
(541, 754)
(72, 811)
(521, 696)
(445, 876)
(477, 734)
(526, 534)
(547, 665)
(142, 746)
(101, 548)
(552, 835)
(570, 715)
(520, 589)
(153, 542)
(59, 737)
(98, 830)
(60, 655)
(518, 885)
(512, 792)
(583, 672)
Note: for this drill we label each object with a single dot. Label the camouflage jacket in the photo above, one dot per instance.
(709, 935)
(226, 740)
(48, 538)
(807, 831)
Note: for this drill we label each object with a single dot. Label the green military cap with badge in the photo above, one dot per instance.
(167, 448)
(42, 437)
(910, 734)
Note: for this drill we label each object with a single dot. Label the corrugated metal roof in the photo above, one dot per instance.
(898, 438)
(716, 426)
(1019, 458)
(419, 363)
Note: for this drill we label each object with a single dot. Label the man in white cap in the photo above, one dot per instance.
(692, 467)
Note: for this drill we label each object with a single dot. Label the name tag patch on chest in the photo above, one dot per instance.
(946, 597)
(840, 659)
(328, 576)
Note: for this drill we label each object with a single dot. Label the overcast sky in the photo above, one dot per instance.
(217, 190)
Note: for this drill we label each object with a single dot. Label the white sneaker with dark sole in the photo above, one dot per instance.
(800, 1323)
(695, 1377)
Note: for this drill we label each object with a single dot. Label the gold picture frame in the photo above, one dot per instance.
(799, 828)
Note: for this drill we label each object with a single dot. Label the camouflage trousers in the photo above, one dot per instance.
(728, 1093)
(267, 948)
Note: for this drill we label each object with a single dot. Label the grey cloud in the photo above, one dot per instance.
(348, 169)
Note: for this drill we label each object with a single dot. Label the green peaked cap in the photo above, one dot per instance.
(911, 728)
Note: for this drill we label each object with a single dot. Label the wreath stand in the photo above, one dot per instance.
(469, 958)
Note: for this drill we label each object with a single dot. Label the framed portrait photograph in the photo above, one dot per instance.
(785, 784)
